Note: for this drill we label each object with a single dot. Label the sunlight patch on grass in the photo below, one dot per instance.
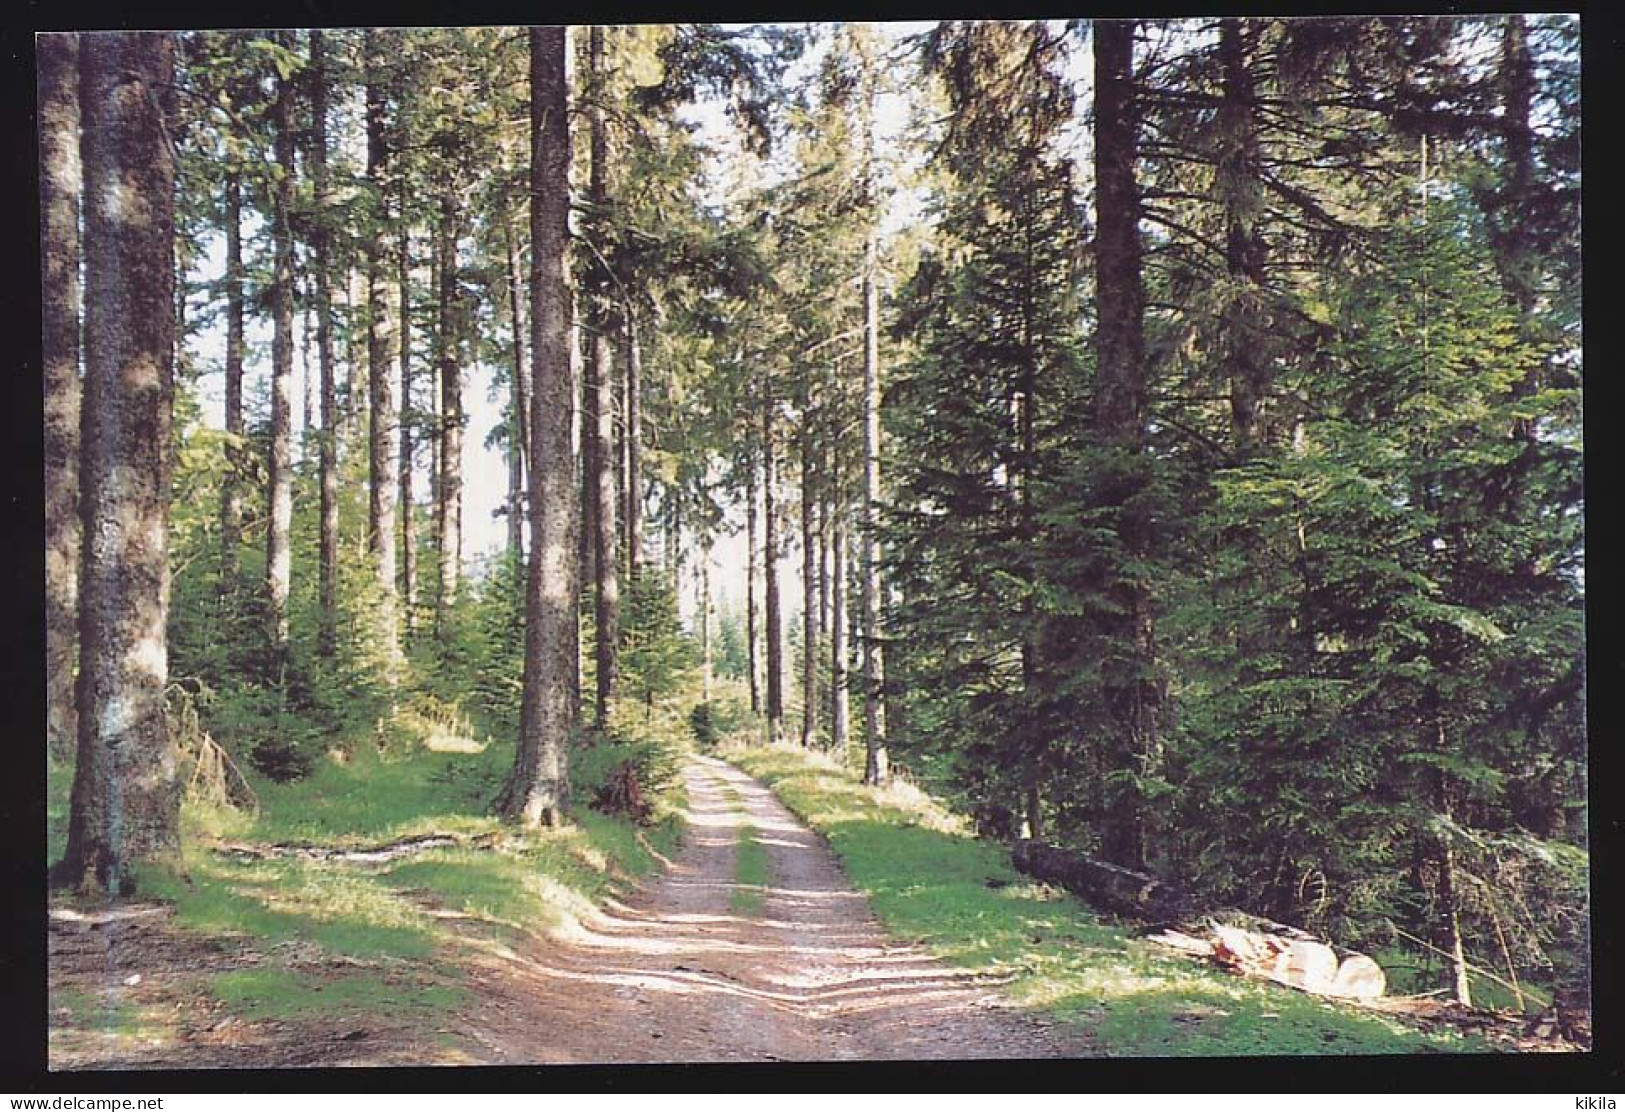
(931, 883)
(345, 913)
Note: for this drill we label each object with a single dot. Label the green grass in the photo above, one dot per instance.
(753, 870)
(392, 955)
(287, 993)
(752, 874)
(931, 882)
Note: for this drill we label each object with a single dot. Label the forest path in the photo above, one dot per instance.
(681, 972)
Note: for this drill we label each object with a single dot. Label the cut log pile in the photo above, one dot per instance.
(1296, 960)
(1241, 943)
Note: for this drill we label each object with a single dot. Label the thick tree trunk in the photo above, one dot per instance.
(538, 791)
(328, 450)
(408, 515)
(770, 573)
(231, 500)
(809, 597)
(750, 587)
(519, 399)
(1238, 177)
(381, 409)
(126, 791)
(449, 510)
(59, 257)
(279, 560)
(1122, 392)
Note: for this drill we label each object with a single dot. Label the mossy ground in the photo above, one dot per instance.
(931, 882)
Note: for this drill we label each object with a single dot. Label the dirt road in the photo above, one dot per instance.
(677, 975)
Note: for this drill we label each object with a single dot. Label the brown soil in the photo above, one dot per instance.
(674, 974)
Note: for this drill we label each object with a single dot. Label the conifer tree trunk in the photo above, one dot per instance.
(182, 260)
(705, 622)
(59, 304)
(280, 490)
(381, 428)
(876, 768)
(1239, 178)
(750, 587)
(307, 362)
(355, 391)
(822, 532)
(1515, 250)
(125, 805)
(519, 399)
(538, 790)
(408, 514)
(770, 573)
(449, 491)
(809, 596)
(1121, 398)
(606, 591)
(231, 500)
(839, 714)
(600, 401)
(634, 441)
(1449, 903)
(328, 450)
(434, 412)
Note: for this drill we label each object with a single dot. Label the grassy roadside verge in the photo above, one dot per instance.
(303, 949)
(931, 882)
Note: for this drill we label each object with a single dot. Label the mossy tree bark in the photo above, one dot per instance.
(125, 804)
(538, 789)
(59, 249)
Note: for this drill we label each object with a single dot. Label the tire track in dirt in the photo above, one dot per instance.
(675, 975)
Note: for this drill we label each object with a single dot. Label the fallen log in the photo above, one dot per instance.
(1108, 887)
(92, 919)
(368, 855)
